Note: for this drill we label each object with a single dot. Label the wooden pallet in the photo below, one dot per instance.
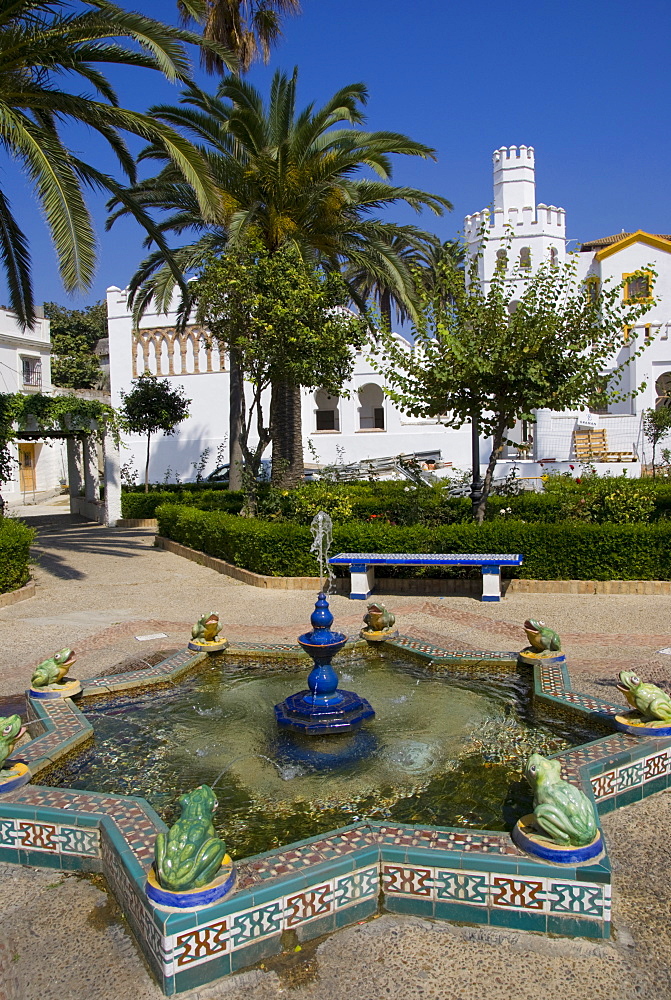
(591, 445)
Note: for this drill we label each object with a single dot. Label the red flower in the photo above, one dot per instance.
(571, 466)
(578, 479)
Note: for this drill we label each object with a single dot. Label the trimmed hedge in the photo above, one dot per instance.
(568, 551)
(15, 541)
(145, 504)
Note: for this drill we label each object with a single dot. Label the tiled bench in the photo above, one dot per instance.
(362, 567)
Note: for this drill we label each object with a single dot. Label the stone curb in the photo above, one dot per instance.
(587, 586)
(137, 522)
(243, 575)
(398, 585)
(14, 596)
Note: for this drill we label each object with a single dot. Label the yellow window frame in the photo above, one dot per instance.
(641, 272)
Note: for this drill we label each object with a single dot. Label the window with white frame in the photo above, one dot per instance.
(31, 370)
(327, 415)
(371, 407)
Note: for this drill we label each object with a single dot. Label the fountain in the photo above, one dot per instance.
(322, 709)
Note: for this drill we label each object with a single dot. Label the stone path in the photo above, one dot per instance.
(62, 937)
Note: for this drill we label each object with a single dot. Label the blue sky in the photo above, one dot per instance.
(586, 84)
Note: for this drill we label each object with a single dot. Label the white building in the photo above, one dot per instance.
(363, 423)
(25, 366)
(614, 434)
(360, 424)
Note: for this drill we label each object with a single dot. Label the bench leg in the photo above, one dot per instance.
(491, 583)
(362, 581)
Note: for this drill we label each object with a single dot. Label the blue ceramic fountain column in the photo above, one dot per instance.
(323, 708)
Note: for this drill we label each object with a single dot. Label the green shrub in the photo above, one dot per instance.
(597, 500)
(300, 505)
(569, 551)
(145, 504)
(15, 541)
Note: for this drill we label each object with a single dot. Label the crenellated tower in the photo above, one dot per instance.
(538, 230)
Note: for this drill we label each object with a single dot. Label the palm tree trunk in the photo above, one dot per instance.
(146, 467)
(236, 389)
(385, 308)
(286, 435)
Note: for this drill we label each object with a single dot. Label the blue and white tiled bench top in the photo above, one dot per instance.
(362, 567)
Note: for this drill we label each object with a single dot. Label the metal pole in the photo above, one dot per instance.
(476, 483)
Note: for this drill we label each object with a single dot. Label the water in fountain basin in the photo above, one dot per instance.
(439, 751)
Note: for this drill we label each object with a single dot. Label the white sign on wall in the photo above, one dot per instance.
(587, 419)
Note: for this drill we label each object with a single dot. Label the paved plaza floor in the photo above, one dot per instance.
(62, 936)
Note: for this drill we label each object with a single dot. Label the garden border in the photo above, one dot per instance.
(414, 585)
(318, 885)
(20, 594)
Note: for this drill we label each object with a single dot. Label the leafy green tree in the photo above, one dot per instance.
(74, 335)
(153, 405)
(44, 45)
(287, 175)
(656, 426)
(249, 28)
(530, 341)
(282, 320)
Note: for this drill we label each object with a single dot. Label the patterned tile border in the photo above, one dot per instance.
(503, 892)
(318, 885)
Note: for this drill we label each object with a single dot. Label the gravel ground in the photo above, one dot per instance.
(97, 589)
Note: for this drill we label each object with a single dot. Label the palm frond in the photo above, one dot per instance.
(15, 257)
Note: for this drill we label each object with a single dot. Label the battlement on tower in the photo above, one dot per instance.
(508, 157)
(515, 200)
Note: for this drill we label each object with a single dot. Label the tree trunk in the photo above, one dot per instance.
(236, 389)
(146, 467)
(498, 442)
(385, 308)
(286, 435)
(654, 458)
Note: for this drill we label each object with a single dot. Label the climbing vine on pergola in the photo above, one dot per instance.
(50, 416)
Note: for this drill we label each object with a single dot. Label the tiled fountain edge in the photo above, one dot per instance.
(315, 886)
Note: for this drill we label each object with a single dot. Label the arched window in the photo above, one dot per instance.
(501, 260)
(327, 415)
(525, 257)
(554, 256)
(371, 407)
(663, 390)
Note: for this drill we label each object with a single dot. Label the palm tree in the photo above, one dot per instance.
(249, 28)
(283, 174)
(42, 44)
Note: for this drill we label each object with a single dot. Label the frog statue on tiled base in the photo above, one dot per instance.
(545, 644)
(17, 773)
(561, 810)
(190, 854)
(53, 669)
(650, 701)
(379, 622)
(541, 637)
(205, 634)
(49, 678)
(11, 728)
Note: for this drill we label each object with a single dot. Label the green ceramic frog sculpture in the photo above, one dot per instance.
(561, 810)
(648, 699)
(541, 637)
(207, 628)
(11, 728)
(379, 617)
(189, 855)
(53, 670)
